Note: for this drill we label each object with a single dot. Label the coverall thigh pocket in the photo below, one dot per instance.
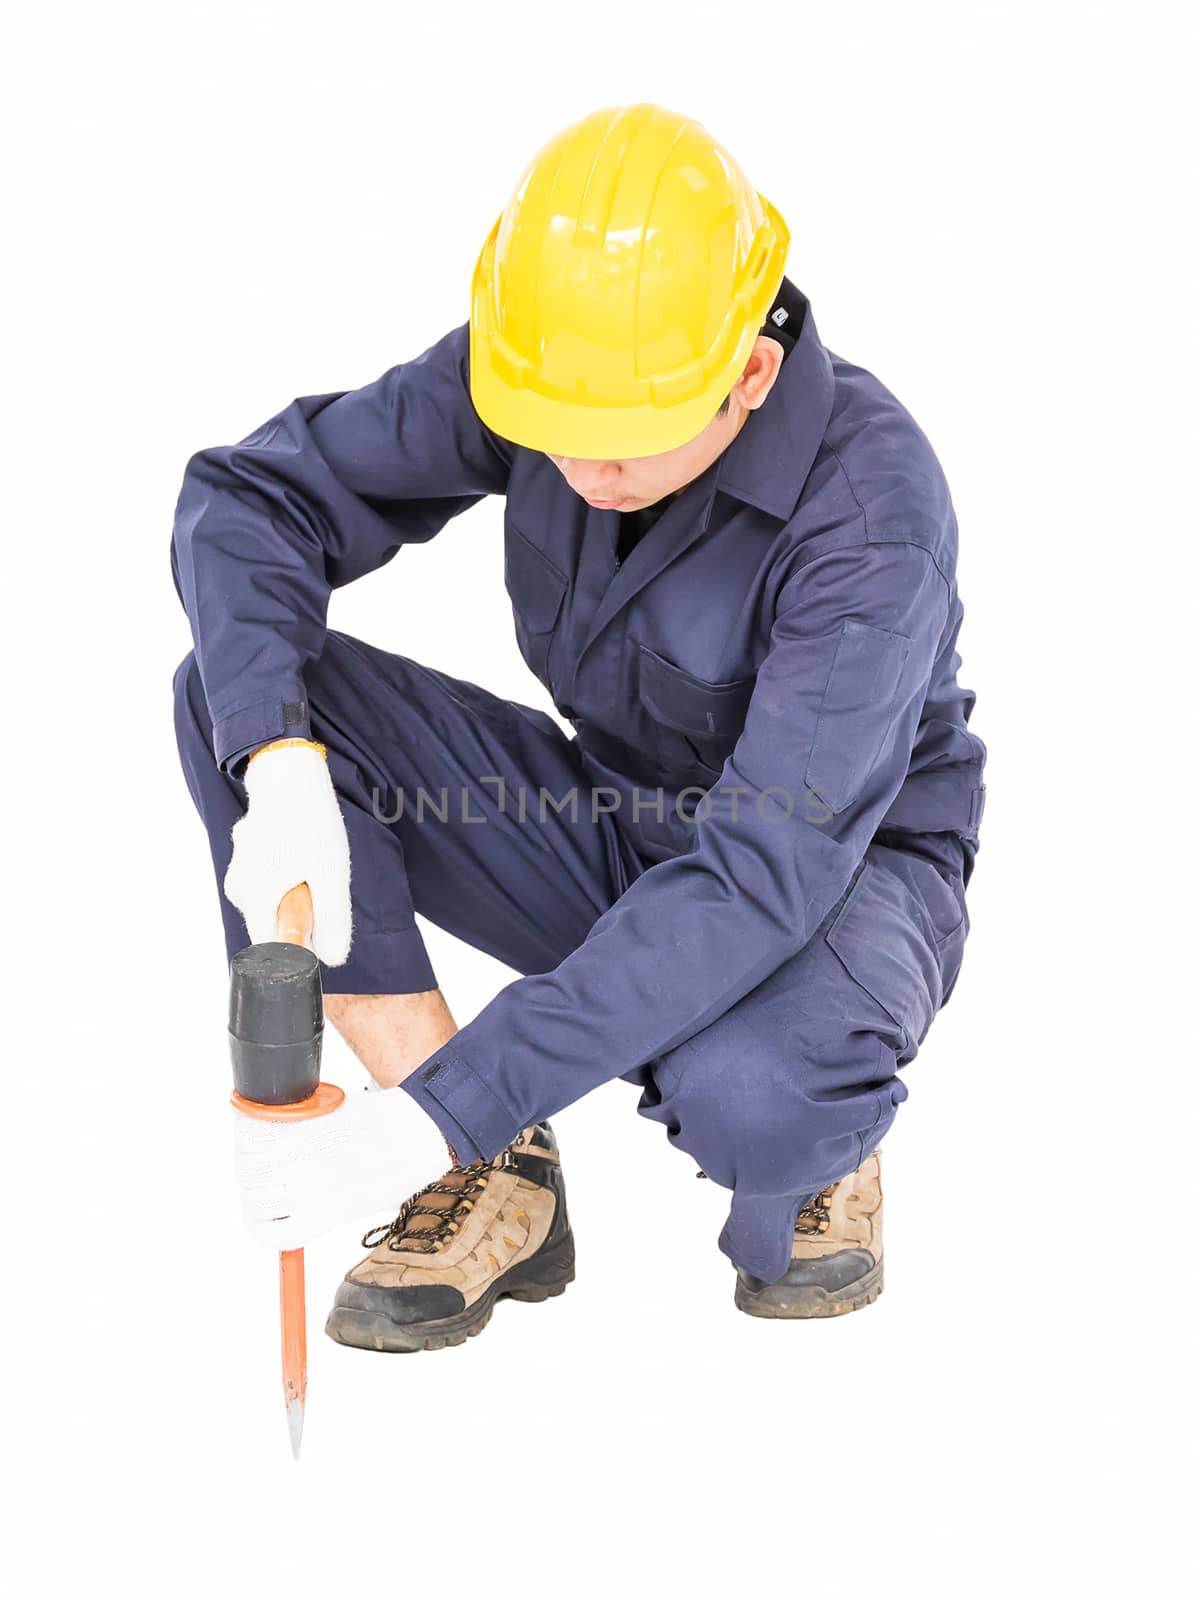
(881, 939)
(944, 903)
(945, 913)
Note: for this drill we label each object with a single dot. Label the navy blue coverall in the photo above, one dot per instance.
(740, 883)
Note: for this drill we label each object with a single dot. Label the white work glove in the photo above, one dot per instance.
(293, 832)
(299, 1179)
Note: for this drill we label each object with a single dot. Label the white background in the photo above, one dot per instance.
(213, 208)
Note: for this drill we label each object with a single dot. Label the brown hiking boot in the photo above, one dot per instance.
(836, 1265)
(484, 1231)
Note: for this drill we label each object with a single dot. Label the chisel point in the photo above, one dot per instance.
(295, 1411)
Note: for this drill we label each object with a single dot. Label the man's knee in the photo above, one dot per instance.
(186, 683)
(193, 721)
(190, 706)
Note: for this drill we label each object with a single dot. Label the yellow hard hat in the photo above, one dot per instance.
(619, 295)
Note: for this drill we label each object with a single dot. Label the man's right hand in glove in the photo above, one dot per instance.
(293, 832)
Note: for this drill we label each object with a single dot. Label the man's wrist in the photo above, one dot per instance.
(285, 744)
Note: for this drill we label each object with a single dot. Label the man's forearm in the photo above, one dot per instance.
(391, 1034)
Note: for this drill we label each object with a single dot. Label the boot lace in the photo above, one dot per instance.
(815, 1216)
(426, 1239)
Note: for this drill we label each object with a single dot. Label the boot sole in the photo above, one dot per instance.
(782, 1301)
(541, 1277)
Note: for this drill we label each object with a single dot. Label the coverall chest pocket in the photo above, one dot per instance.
(536, 589)
(696, 722)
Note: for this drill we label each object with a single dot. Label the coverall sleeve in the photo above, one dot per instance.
(826, 746)
(325, 491)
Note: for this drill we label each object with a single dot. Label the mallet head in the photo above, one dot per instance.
(276, 1023)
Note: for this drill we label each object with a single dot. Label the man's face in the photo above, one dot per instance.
(639, 481)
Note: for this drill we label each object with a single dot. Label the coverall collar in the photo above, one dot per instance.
(768, 461)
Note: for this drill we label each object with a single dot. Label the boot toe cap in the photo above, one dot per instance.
(407, 1303)
(822, 1286)
(831, 1272)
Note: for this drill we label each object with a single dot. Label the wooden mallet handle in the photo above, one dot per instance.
(295, 919)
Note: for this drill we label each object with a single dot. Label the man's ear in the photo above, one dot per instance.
(760, 372)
